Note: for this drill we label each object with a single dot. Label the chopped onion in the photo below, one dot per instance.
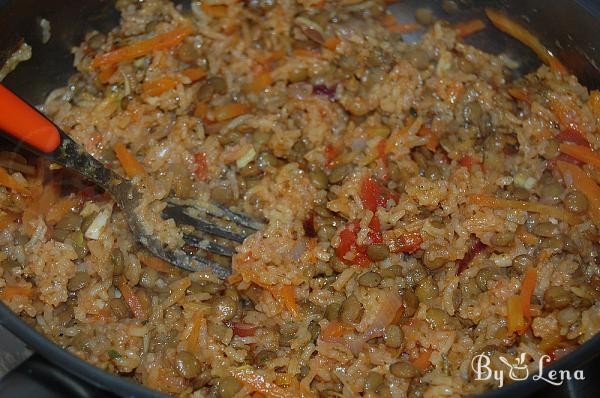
(246, 158)
(96, 227)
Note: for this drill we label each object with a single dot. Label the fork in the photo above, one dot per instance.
(204, 225)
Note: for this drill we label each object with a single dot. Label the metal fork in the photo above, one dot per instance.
(25, 126)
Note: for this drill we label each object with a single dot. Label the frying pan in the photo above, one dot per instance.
(570, 28)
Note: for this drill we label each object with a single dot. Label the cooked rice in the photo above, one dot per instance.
(427, 125)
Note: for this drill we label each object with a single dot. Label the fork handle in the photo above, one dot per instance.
(25, 124)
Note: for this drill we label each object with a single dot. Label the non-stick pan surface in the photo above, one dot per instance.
(570, 28)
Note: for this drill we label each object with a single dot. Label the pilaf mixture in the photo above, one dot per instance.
(422, 206)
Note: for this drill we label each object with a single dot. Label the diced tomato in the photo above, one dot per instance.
(348, 242)
(331, 153)
(242, 329)
(476, 248)
(571, 135)
(373, 194)
(407, 243)
(201, 171)
(468, 161)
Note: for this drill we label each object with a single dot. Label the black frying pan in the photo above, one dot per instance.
(570, 28)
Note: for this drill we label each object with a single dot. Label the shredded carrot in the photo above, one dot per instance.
(8, 181)
(159, 86)
(519, 93)
(433, 141)
(61, 208)
(268, 57)
(201, 110)
(594, 102)
(130, 164)
(582, 153)
(331, 43)
(103, 315)
(303, 53)
(7, 219)
(288, 294)
(566, 111)
(216, 11)
(257, 382)
(194, 74)
(516, 30)
(422, 361)
(334, 330)
(157, 263)
(105, 74)
(467, 28)
(229, 111)
(575, 176)
(526, 237)
(259, 82)
(498, 203)
(132, 300)
(9, 292)
(391, 24)
(143, 47)
(192, 339)
(516, 319)
(527, 287)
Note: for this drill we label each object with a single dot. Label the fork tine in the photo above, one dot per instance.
(184, 261)
(220, 211)
(238, 218)
(208, 245)
(181, 217)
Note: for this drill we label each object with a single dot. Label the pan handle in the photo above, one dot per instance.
(38, 378)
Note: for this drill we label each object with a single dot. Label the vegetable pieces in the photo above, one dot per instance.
(130, 164)
(576, 177)
(518, 31)
(139, 49)
(519, 307)
(498, 203)
(9, 182)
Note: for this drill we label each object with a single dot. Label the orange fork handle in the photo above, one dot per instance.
(23, 122)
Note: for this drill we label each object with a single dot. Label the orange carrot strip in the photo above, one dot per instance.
(143, 47)
(192, 340)
(467, 28)
(157, 263)
(217, 11)
(433, 139)
(581, 152)
(7, 219)
(594, 102)
(518, 31)
(527, 287)
(159, 86)
(201, 110)
(130, 164)
(8, 181)
(331, 43)
(575, 176)
(251, 378)
(106, 74)
(303, 53)
(194, 74)
(132, 300)
(260, 82)
(9, 292)
(268, 57)
(519, 93)
(422, 361)
(404, 28)
(288, 295)
(516, 319)
(498, 203)
(229, 111)
(62, 207)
